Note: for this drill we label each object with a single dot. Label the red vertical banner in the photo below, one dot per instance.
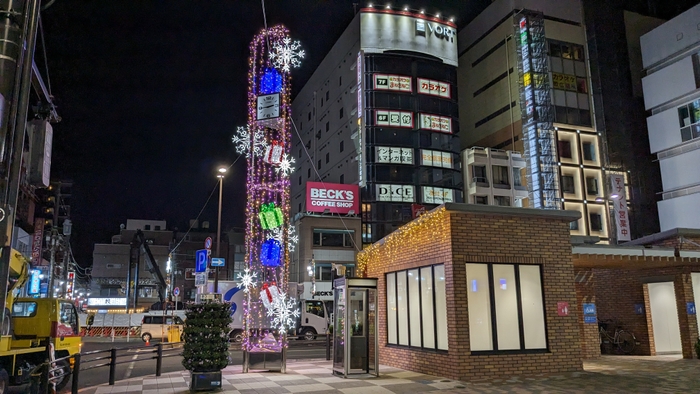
(622, 221)
(37, 241)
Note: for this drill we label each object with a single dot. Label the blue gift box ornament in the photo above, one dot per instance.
(271, 253)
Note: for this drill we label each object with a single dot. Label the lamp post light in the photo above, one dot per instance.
(220, 175)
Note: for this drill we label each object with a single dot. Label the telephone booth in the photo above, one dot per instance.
(355, 340)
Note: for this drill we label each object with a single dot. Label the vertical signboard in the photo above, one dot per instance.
(36, 241)
(537, 111)
(622, 222)
(360, 121)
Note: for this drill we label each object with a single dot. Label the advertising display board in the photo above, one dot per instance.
(436, 123)
(398, 83)
(382, 31)
(394, 118)
(434, 88)
(396, 193)
(622, 219)
(393, 155)
(338, 198)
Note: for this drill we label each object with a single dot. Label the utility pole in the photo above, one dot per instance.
(18, 24)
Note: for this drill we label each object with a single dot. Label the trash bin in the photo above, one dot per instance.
(174, 333)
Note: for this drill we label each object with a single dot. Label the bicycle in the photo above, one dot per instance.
(625, 340)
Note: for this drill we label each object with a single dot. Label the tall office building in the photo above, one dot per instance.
(524, 85)
(671, 58)
(381, 111)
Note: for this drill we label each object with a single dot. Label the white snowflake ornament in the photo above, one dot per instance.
(247, 280)
(284, 312)
(286, 54)
(285, 167)
(242, 140)
(292, 238)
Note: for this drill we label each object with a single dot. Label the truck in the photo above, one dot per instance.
(33, 328)
(313, 319)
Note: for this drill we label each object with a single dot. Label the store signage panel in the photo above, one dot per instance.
(393, 155)
(564, 82)
(401, 119)
(622, 219)
(435, 158)
(336, 197)
(397, 83)
(434, 88)
(384, 31)
(106, 301)
(437, 195)
(436, 123)
(395, 193)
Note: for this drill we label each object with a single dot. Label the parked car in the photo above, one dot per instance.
(157, 326)
(168, 305)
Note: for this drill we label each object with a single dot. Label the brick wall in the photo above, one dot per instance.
(456, 237)
(585, 293)
(618, 290)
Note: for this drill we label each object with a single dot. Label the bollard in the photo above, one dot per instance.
(112, 365)
(328, 346)
(76, 374)
(159, 358)
(44, 385)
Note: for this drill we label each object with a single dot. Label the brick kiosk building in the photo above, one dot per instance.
(476, 292)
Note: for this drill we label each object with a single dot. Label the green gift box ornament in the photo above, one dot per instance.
(270, 216)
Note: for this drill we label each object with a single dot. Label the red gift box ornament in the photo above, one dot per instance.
(269, 294)
(273, 153)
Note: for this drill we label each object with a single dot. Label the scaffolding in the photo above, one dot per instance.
(537, 111)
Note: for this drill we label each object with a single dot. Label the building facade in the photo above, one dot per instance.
(110, 263)
(493, 177)
(671, 58)
(381, 111)
(324, 242)
(524, 85)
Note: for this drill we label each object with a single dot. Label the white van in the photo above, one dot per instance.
(156, 326)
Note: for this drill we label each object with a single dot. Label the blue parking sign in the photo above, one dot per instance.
(201, 260)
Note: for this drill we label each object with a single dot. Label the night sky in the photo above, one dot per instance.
(150, 93)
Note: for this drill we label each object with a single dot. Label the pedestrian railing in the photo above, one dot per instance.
(115, 356)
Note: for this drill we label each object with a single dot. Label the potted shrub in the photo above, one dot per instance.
(205, 352)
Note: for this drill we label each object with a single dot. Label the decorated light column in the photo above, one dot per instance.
(266, 142)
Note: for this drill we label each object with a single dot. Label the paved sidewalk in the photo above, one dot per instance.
(609, 374)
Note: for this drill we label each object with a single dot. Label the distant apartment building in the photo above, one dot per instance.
(671, 58)
(493, 177)
(110, 262)
(524, 86)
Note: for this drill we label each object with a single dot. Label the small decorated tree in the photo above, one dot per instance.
(206, 343)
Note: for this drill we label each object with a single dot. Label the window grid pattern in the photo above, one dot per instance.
(417, 308)
(506, 308)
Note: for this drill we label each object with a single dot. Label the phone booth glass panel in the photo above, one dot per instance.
(355, 327)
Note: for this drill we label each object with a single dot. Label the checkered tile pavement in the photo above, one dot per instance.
(301, 377)
(609, 374)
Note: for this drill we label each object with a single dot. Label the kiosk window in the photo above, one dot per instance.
(505, 300)
(413, 297)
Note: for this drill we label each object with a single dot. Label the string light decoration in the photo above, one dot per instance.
(409, 239)
(267, 143)
(287, 54)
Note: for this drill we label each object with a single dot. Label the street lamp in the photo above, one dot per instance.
(220, 175)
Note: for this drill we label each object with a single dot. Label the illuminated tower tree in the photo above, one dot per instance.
(266, 141)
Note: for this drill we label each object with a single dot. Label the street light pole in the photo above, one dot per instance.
(222, 171)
